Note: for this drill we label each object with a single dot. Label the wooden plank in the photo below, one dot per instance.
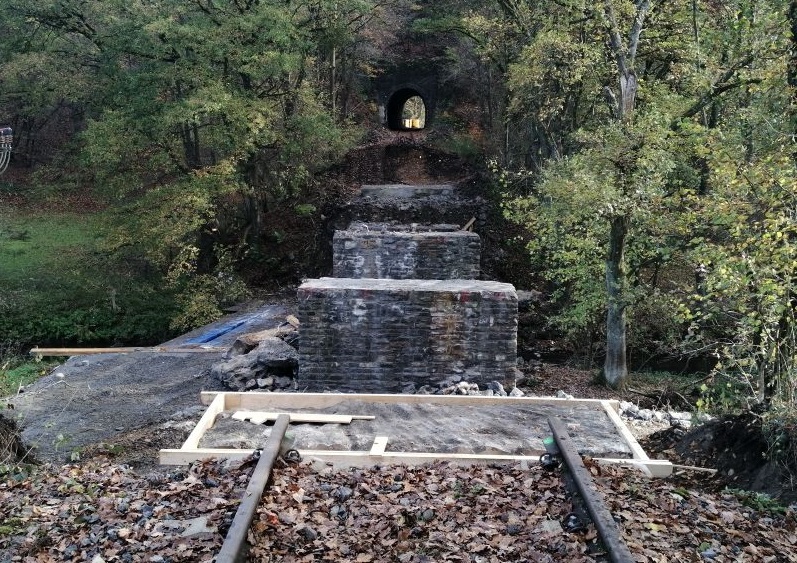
(380, 443)
(259, 417)
(123, 350)
(469, 225)
(651, 467)
(179, 456)
(658, 468)
(235, 400)
(206, 422)
(625, 433)
(254, 400)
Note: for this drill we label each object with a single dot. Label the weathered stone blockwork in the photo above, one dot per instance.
(375, 335)
(388, 252)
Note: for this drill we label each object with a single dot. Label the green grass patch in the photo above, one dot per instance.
(31, 245)
(60, 288)
(17, 372)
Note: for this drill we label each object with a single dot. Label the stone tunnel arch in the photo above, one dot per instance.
(395, 108)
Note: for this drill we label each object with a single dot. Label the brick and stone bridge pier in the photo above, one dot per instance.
(405, 308)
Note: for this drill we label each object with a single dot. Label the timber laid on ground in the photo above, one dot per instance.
(372, 446)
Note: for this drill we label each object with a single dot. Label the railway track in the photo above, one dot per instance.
(562, 455)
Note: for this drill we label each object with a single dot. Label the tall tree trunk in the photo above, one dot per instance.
(792, 68)
(615, 370)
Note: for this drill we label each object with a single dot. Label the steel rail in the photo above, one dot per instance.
(234, 548)
(604, 522)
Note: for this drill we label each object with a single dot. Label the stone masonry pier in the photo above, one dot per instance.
(439, 252)
(379, 335)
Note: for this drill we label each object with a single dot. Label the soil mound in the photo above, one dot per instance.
(12, 448)
(734, 445)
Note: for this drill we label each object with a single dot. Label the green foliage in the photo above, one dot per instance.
(16, 372)
(200, 117)
(61, 289)
(761, 502)
(745, 307)
(202, 297)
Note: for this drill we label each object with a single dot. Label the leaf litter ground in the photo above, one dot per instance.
(99, 511)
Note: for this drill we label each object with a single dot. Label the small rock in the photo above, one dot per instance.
(265, 382)
(452, 380)
(337, 511)
(514, 529)
(678, 423)
(409, 389)
(250, 384)
(710, 553)
(60, 375)
(283, 382)
(307, 533)
(425, 390)
(562, 395)
(703, 417)
(497, 388)
(342, 494)
(515, 392)
(628, 408)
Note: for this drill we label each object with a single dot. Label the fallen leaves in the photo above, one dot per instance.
(103, 512)
(661, 518)
(435, 512)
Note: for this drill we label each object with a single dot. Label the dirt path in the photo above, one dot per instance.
(91, 399)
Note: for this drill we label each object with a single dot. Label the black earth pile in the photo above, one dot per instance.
(12, 449)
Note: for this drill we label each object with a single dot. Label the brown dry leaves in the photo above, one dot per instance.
(104, 512)
(437, 512)
(663, 522)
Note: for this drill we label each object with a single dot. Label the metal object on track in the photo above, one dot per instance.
(604, 523)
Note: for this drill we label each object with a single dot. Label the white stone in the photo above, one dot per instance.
(515, 392)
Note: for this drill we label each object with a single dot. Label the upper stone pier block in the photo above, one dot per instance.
(406, 191)
(378, 335)
(405, 252)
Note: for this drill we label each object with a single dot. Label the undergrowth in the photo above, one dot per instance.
(61, 289)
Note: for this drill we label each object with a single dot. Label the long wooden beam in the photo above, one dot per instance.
(124, 350)
(225, 401)
(253, 400)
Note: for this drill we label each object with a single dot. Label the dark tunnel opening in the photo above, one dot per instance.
(406, 110)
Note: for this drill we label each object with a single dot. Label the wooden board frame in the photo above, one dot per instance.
(219, 402)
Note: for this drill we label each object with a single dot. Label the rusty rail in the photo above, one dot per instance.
(234, 548)
(604, 522)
